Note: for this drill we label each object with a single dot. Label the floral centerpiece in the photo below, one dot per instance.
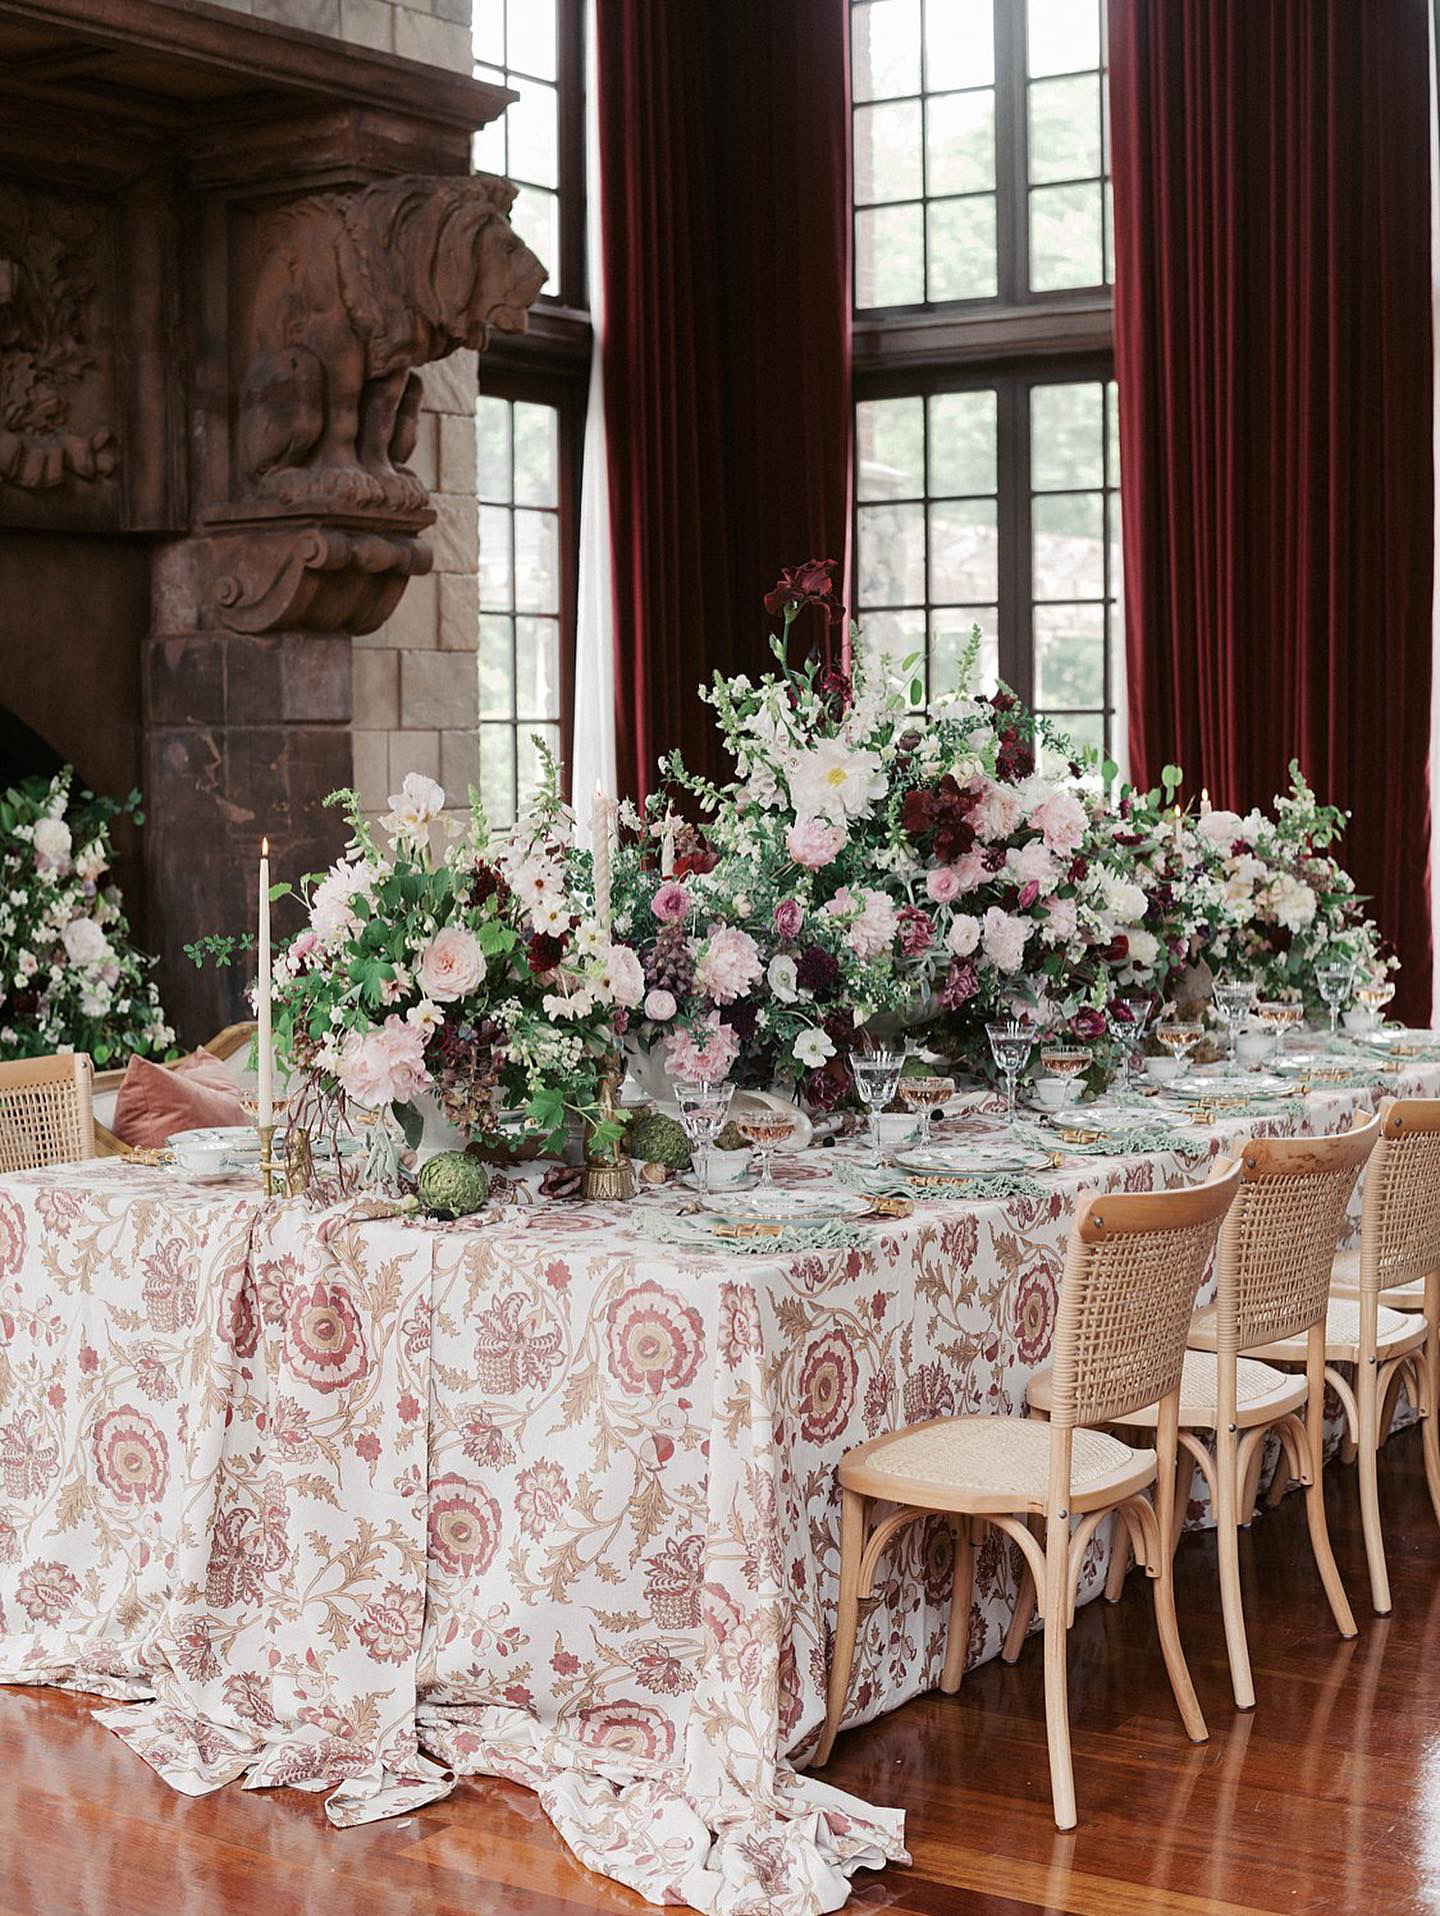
(870, 860)
(70, 977)
(474, 978)
(1269, 898)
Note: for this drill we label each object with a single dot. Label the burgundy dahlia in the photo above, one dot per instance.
(817, 972)
(543, 952)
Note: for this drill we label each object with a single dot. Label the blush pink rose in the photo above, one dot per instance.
(813, 842)
(451, 966)
(943, 884)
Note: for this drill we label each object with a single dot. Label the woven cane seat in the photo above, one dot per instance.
(1396, 1333)
(992, 1464)
(1345, 1282)
(1261, 1394)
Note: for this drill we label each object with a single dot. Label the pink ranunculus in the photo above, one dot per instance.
(671, 902)
(943, 885)
(1004, 939)
(385, 1065)
(704, 1054)
(1060, 819)
(451, 966)
(813, 842)
(660, 1006)
(789, 917)
(728, 964)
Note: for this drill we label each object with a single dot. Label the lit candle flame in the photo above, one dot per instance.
(264, 847)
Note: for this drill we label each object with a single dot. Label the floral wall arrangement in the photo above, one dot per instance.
(70, 977)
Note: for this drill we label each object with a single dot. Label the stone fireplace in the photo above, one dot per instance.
(226, 246)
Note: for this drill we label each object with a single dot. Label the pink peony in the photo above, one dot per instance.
(385, 1065)
(998, 812)
(943, 884)
(1032, 864)
(622, 977)
(704, 1054)
(813, 842)
(729, 963)
(1062, 919)
(789, 917)
(451, 966)
(874, 930)
(671, 902)
(970, 870)
(1060, 819)
(1004, 939)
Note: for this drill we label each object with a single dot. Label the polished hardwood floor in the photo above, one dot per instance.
(1325, 1799)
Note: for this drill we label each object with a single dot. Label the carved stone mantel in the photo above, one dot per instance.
(226, 247)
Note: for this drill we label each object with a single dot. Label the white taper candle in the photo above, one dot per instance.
(264, 1047)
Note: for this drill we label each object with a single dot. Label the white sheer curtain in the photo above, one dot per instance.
(592, 745)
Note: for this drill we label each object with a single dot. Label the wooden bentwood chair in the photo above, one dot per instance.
(45, 1112)
(1273, 1277)
(1384, 1316)
(1132, 1268)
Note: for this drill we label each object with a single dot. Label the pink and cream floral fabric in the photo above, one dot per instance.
(359, 1505)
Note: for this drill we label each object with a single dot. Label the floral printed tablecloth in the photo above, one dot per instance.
(359, 1505)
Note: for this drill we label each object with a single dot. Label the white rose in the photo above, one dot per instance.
(1143, 947)
(85, 943)
(52, 840)
(964, 934)
(813, 1047)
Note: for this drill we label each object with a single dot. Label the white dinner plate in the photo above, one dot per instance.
(779, 1205)
(968, 1160)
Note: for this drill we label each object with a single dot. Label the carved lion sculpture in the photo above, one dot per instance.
(354, 292)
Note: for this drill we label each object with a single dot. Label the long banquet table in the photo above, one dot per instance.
(362, 1504)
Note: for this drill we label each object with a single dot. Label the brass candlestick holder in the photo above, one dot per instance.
(266, 1134)
(608, 1173)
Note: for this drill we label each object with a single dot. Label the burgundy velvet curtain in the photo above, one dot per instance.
(724, 185)
(1273, 352)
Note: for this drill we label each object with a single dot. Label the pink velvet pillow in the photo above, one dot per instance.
(155, 1100)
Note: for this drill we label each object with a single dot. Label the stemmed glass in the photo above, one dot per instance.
(703, 1108)
(1333, 978)
(765, 1129)
(1010, 1043)
(923, 1095)
(1068, 1063)
(1374, 994)
(1127, 1017)
(876, 1074)
(1234, 997)
(1278, 1015)
(1179, 1039)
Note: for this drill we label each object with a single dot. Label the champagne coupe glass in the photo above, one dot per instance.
(1179, 1039)
(1333, 978)
(876, 1074)
(1127, 1017)
(1373, 994)
(766, 1129)
(1068, 1063)
(1279, 1016)
(703, 1107)
(1234, 998)
(1010, 1043)
(924, 1095)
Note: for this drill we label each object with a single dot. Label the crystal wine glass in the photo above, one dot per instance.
(1179, 1039)
(1279, 1016)
(924, 1095)
(1373, 994)
(1068, 1063)
(876, 1074)
(1333, 978)
(766, 1129)
(1010, 1043)
(1127, 1017)
(1234, 997)
(703, 1108)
